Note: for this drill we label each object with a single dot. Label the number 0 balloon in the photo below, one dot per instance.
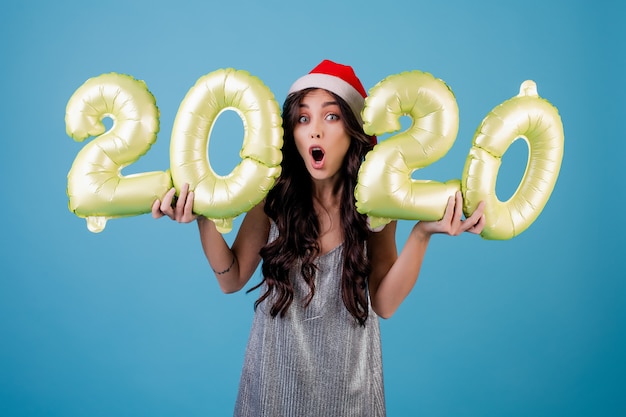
(221, 198)
(534, 120)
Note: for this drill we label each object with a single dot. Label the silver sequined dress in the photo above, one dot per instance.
(315, 361)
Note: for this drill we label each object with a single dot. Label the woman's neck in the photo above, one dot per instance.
(327, 193)
(327, 206)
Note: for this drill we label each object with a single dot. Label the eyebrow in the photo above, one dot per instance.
(324, 104)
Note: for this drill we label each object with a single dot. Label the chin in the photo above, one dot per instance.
(322, 175)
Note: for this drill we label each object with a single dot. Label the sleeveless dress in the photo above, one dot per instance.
(314, 361)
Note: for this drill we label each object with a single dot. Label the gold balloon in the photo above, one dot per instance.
(385, 188)
(222, 198)
(534, 120)
(95, 186)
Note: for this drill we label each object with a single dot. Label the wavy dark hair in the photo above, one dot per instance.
(290, 205)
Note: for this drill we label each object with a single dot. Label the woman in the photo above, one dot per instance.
(314, 347)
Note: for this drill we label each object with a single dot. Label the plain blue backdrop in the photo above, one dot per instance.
(131, 322)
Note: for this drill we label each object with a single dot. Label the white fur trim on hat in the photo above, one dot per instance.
(335, 85)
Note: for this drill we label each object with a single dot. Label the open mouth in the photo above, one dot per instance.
(317, 154)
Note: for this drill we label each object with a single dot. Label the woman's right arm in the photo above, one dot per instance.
(233, 266)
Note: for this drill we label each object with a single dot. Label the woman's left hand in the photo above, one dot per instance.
(452, 222)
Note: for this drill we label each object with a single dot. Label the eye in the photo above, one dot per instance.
(332, 116)
(303, 119)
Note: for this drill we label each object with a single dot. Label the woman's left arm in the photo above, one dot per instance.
(393, 277)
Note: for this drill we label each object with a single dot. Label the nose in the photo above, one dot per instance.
(316, 128)
(316, 131)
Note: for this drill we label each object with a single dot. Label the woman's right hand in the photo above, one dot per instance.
(176, 208)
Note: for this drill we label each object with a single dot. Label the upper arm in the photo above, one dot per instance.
(382, 253)
(251, 237)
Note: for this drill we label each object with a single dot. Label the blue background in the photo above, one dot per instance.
(131, 322)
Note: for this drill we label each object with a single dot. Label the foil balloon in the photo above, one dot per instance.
(385, 188)
(526, 117)
(96, 188)
(222, 198)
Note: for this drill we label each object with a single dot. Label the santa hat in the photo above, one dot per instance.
(339, 79)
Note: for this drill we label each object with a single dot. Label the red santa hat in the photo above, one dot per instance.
(336, 78)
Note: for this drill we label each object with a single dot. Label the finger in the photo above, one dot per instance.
(458, 206)
(167, 198)
(156, 209)
(449, 213)
(476, 222)
(478, 213)
(181, 201)
(188, 211)
(479, 226)
(480, 208)
(166, 204)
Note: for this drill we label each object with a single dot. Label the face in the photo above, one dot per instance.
(320, 135)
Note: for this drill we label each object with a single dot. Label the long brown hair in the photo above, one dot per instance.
(290, 205)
